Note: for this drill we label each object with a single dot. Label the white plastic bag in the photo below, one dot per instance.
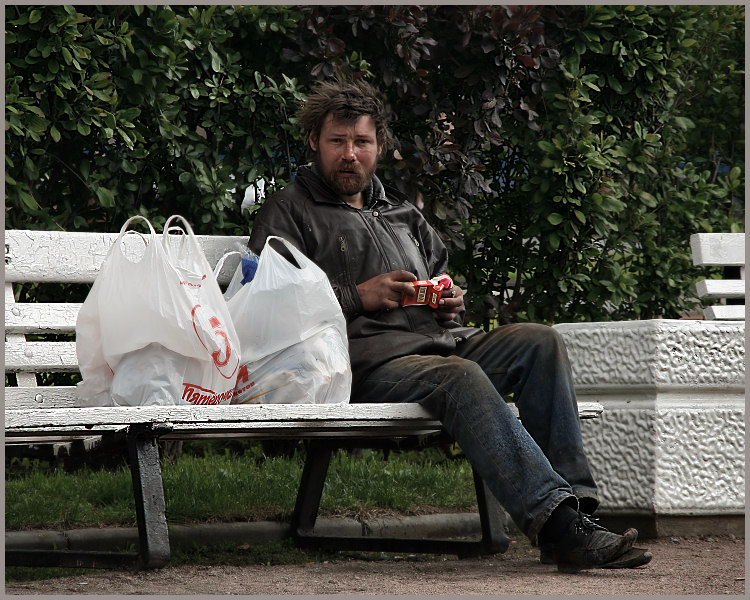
(155, 329)
(292, 333)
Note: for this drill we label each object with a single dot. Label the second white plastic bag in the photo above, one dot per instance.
(292, 333)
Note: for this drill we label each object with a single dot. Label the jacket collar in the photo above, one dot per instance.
(321, 192)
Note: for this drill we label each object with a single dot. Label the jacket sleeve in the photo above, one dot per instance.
(280, 216)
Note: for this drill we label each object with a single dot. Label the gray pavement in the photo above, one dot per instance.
(704, 565)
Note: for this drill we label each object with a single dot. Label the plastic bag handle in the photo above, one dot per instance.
(220, 262)
(127, 224)
(301, 258)
(125, 231)
(186, 229)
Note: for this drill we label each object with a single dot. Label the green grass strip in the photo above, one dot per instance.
(229, 488)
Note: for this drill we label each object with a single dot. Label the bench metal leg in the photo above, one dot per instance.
(492, 518)
(311, 487)
(150, 507)
(152, 524)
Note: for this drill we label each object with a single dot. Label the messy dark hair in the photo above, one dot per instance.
(347, 100)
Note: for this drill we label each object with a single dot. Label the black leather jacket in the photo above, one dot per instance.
(352, 246)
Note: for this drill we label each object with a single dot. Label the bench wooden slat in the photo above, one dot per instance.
(279, 414)
(718, 249)
(720, 288)
(76, 257)
(41, 357)
(41, 318)
(46, 397)
(725, 312)
(340, 418)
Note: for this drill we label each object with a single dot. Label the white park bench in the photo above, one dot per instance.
(721, 250)
(36, 413)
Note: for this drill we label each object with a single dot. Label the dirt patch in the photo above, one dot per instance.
(705, 566)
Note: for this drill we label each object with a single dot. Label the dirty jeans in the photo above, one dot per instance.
(530, 466)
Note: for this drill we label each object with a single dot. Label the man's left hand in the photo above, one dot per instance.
(451, 304)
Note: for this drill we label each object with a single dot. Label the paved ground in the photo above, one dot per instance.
(701, 566)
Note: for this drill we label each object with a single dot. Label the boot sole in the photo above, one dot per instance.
(628, 541)
(635, 557)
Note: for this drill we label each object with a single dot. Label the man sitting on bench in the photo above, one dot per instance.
(373, 244)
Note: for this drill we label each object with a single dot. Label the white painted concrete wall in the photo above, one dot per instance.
(671, 441)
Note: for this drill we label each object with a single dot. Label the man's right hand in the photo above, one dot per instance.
(385, 291)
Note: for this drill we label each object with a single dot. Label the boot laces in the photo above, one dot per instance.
(587, 524)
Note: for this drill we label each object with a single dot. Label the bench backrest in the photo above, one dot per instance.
(721, 250)
(39, 337)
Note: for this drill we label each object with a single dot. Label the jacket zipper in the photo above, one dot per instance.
(374, 236)
(345, 257)
(421, 255)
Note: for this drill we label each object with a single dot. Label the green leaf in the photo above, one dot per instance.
(35, 124)
(128, 114)
(555, 218)
(684, 123)
(54, 133)
(648, 199)
(546, 146)
(29, 200)
(438, 210)
(106, 198)
(593, 86)
(215, 59)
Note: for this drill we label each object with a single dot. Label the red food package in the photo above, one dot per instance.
(429, 291)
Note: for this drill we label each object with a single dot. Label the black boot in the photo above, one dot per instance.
(587, 544)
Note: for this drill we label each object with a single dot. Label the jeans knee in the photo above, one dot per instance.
(550, 337)
(461, 370)
(540, 335)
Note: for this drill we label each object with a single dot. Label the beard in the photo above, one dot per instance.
(346, 179)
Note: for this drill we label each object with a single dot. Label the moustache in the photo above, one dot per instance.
(351, 169)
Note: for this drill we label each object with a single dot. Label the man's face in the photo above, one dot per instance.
(346, 155)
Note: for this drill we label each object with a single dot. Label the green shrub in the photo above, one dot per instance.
(565, 153)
